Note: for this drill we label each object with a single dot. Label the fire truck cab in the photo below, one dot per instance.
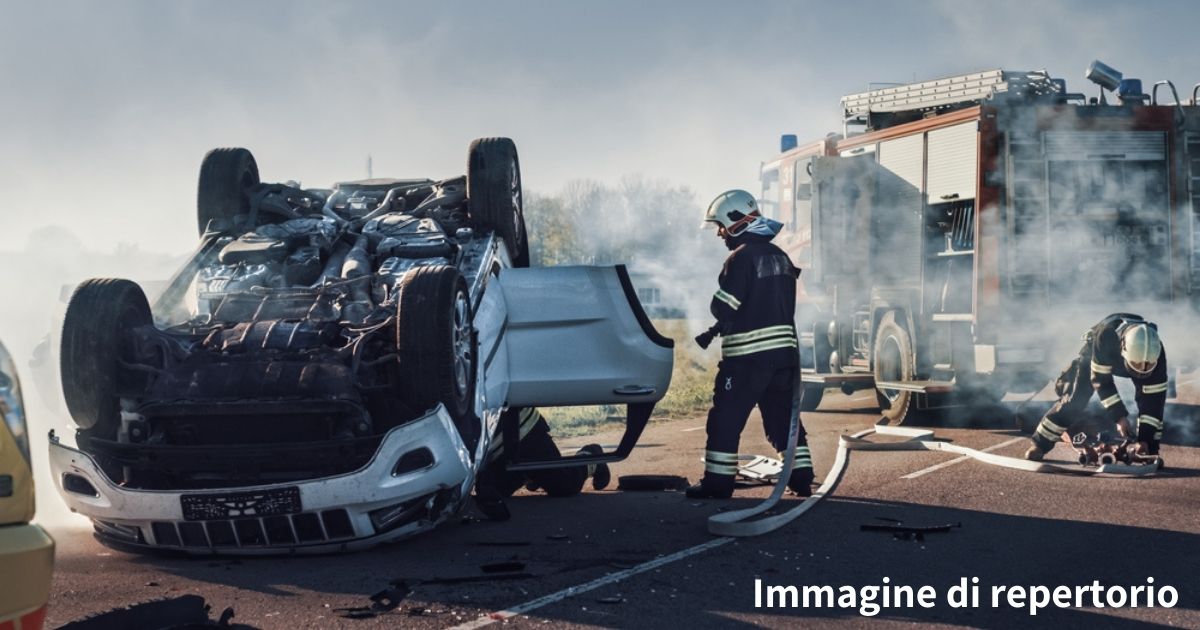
(962, 233)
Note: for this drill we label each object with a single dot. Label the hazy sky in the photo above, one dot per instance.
(107, 107)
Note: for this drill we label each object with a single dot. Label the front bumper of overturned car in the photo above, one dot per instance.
(341, 513)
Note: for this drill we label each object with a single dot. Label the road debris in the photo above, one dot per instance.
(384, 601)
(652, 483)
(390, 598)
(759, 469)
(901, 532)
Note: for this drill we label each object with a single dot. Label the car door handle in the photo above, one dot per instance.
(634, 390)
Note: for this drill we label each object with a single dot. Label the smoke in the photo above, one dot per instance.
(39, 278)
(653, 226)
(1098, 220)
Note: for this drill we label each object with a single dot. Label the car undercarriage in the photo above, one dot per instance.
(334, 361)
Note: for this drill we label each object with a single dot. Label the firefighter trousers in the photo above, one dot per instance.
(1074, 389)
(556, 482)
(739, 388)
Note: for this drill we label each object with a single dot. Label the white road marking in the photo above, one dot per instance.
(925, 471)
(572, 591)
(691, 429)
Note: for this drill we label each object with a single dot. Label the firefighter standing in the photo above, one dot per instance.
(755, 307)
(1125, 345)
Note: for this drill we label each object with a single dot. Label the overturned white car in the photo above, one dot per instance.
(329, 369)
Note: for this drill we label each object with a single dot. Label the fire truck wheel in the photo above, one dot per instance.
(226, 175)
(811, 397)
(895, 362)
(819, 360)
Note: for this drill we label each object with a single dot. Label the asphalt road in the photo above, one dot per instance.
(1017, 529)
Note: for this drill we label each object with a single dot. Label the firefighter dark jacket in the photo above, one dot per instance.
(755, 304)
(1106, 362)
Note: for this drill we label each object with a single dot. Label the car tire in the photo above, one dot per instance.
(811, 397)
(94, 343)
(435, 340)
(226, 176)
(494, 198)
(894, 360)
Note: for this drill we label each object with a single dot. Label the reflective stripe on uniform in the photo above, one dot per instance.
(733, 302)
(720, 469)
(802, 459)
(1053, 426)
(720, 462)
(759, 347)
(1047, 433)
(1111, 400)
(1150, 421)
(1098, 368)
(721, 456)
(755, 335)
(759, 340)
(529, 419)
(1156, 388)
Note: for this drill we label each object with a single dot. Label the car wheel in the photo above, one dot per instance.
(94, 344)
(226, 175)
(894, 361)
(494, 194)
(435, 340)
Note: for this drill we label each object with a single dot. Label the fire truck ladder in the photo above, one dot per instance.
(948, 93)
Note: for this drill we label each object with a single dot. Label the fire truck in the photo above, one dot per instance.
(960, 234)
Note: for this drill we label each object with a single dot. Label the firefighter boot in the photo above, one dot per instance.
(1044, 437)
(801, 481)
(712, 486)
(599, 473)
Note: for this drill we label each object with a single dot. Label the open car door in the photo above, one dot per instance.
(579, 336)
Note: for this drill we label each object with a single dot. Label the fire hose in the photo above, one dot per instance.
(737, 523)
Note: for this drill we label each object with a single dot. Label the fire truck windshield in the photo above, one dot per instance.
(770, 192)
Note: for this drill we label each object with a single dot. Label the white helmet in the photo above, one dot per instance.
(733, 210)
(1140, 347)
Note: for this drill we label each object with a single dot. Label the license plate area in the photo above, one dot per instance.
(250, 504)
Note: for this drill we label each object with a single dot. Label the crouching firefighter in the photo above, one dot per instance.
(497, 483)
(1123, 345)
(755, 306)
